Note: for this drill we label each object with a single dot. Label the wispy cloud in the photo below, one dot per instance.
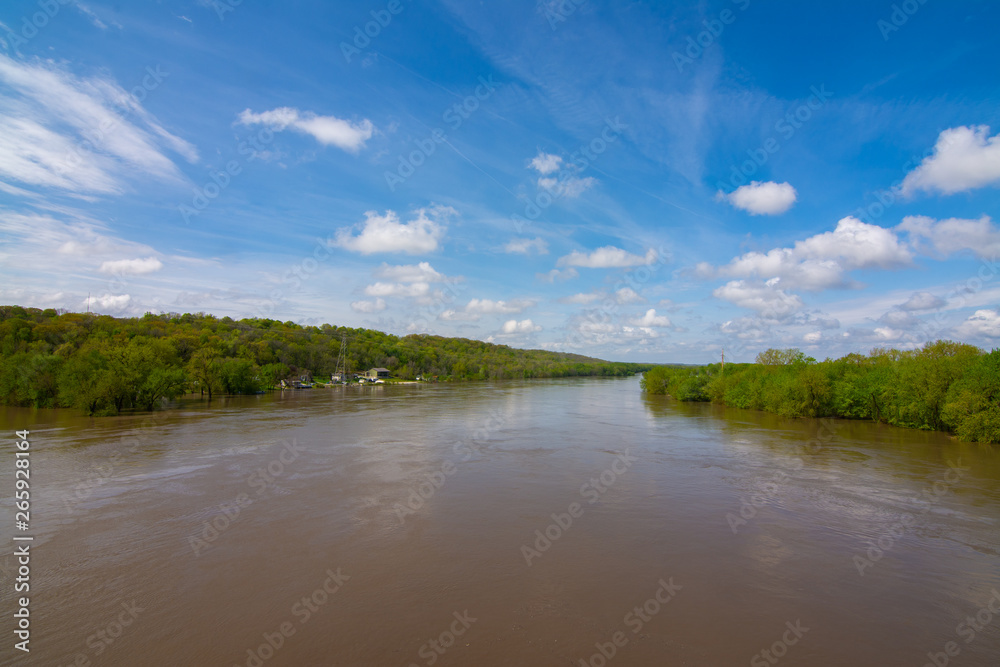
(80, 134)
(327, 130)
(608, 257)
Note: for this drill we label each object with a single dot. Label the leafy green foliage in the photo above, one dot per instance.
(943, 386)
(103, 365)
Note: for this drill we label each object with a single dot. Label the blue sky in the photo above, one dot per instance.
(635, 181)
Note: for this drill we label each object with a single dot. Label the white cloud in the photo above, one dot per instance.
(131, 266)
(607, 257)
(964, 158)
(651, 319)
(385, 233)
(397, 289)
(110, 304)
(767, 299)
(487, 306)
(949, 236)
(567, 186)
(546, 163)
(82, 135)
(820, 262)
(888, 333)
(583, 299)
(761, 198)
(982, 324)
(525, 246)
(627, 295)
(555, 275)
(328, 130)
(410, 273)
(515, 327)
(368, 306)
(813, 337)
(922, 301)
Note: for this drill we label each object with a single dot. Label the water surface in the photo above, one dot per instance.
(368, 522)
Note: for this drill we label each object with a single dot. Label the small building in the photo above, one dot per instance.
(376, 374)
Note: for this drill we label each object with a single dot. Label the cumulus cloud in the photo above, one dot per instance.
(385, 233)
(964, 158)
(107, 303)
(651, 319)
(982, 324)
(608, 257)
(813, 337)
(627, 295)
(922, 301)
(409, 290)
(81, 135)
(555, 275)
(546, 163)
(368, 306)
(761, 198)
(327, 130)
(131, 266)
(515, 327)
(953, 235)
(526, 246)
(410, 273)
(769, 300)
(821, 261)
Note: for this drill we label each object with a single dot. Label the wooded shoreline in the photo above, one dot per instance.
(103, 365)
(943, 386)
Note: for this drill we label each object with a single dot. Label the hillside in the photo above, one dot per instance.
(103, 365)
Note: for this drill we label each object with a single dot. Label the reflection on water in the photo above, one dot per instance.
(389, 526)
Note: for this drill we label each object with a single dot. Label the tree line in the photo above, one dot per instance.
(945, 386)
(104, 365)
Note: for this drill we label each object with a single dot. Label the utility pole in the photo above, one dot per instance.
(723, 370)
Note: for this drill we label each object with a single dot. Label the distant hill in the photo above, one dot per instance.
(102, 364)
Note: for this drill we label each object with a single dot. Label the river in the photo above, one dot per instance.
(546, 522)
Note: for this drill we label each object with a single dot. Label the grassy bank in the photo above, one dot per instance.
(943, 386)
(103, 365)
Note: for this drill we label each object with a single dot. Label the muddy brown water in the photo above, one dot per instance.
(547, 522)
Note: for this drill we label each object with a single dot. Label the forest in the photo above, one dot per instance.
(103, 365)
(944, 386)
